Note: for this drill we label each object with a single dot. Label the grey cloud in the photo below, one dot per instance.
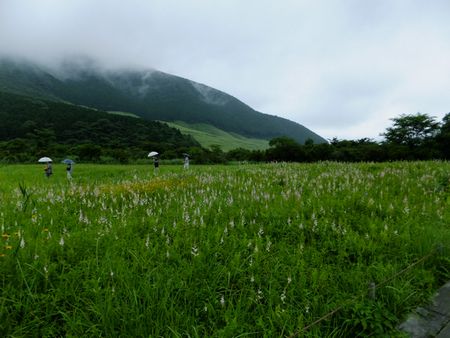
(339, 67)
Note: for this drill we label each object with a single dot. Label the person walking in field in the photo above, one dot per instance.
(69, 170)
(69, 167)
(186, 161)
(156, 164)
(48, 169)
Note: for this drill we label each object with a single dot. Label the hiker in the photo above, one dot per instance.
(48, 169)
(69, 170)
(156, 164)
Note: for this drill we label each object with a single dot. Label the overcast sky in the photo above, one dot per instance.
(342, 68)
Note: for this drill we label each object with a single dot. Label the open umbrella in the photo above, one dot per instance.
(67, 161)
(45, 160)
(186, 154)
(152, 153)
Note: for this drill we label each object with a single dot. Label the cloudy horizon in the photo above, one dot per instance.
(341, 68)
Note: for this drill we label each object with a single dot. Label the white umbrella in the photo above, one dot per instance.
(45, 160)
(152, 153)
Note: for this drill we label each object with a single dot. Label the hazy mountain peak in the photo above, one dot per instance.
(75, 68)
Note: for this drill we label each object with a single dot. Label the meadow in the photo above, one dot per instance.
(208, 135)
(221, 251)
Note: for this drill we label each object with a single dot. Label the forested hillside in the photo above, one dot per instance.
(33, 127)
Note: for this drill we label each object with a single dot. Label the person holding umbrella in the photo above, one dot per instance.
(156, 164)
(69, 167)
(48, 169)
(48, 166)
(155, 154)
(186, 161)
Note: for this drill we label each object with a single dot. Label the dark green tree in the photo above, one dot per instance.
(88, 152)
(217, 155)
(412, 130)
(285, 149)
(443, 138)
(239, 154)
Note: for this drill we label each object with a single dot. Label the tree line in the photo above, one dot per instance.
(411, 137)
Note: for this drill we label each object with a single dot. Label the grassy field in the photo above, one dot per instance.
(124, 114)
(222, 251)
(208, 135)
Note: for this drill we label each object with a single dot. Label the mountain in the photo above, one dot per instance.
(150, 94)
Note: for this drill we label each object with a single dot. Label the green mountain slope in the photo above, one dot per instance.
(33, 127)
(207, 136)
(152, 95)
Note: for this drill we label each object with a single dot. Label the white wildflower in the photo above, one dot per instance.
(283, 296)
(260, 232)
(259, 294)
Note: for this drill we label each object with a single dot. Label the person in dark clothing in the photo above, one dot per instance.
(48, 169)
(156, 164)
(69, 170)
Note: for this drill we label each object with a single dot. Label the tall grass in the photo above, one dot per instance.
(258, 250)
